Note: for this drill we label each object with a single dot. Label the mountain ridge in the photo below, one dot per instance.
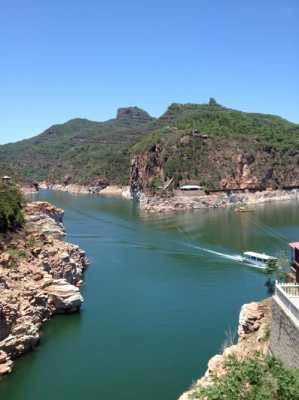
(88, 151)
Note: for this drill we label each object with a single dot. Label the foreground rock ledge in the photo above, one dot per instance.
(253, 336)
(40, 275)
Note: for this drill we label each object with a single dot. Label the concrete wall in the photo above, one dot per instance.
(284, 341)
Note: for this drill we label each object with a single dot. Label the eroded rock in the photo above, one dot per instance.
(39, 276)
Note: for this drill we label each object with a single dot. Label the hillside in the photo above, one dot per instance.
(209, 144)
(81, 150)
(217, 148)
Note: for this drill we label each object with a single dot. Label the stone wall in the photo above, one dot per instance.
(284, 341)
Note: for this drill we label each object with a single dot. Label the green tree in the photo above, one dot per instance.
(276, 271)
(11, 202)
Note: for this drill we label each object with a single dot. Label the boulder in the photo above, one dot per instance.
(65, 297)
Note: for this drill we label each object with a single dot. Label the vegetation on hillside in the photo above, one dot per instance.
(255, 378)
(88, 152)
(81, 149)
(203, 142)
(11, 215)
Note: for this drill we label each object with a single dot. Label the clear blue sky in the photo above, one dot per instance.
(62, 59)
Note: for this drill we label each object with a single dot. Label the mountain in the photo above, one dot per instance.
(217, 147)
(81, 150)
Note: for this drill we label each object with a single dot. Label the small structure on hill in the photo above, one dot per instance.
(6, 179)
(294, 258)
(190, 187)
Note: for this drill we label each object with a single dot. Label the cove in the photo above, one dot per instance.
(156, 307)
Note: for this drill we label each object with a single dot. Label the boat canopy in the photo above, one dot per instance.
(259, 256)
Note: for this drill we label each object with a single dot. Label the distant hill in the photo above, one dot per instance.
(215, 146)
(81, 150)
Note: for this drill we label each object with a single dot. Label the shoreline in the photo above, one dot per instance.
(191, 202)
(110, 190)
(182, 202)
(40, 276)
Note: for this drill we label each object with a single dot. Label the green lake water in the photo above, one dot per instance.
(156, 306)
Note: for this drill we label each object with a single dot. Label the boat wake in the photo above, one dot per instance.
(233, 257)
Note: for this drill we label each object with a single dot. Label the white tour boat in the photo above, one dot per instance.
(257, 259)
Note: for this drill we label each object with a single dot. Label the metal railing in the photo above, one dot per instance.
(288, 294)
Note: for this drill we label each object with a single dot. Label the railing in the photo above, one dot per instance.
(288, 294)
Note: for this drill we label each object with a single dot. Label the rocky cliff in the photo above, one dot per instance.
(213, 162)
(40, 276)
(253, 332)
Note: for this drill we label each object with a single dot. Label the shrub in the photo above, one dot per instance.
(11, 215)
(256, 378)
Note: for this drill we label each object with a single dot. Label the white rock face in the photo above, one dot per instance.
(65, 297)
(183, 201)
(126, 193)
(110, 190)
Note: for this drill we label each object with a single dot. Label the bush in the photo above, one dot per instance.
(256, 378)
(11, 215)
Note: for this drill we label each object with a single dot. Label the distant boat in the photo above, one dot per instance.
(257, 259)
(243, 209)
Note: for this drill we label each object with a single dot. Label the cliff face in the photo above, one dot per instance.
(40, 275)
(253, 333)
(213, 162)
(146, 168)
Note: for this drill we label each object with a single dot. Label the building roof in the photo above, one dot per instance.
(190, 187)
(294, 245)
(259, 255)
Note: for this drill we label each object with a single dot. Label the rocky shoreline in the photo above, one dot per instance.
(189, 201)
(253, 336)
(74, 188)
(180, 201)
(40, 275)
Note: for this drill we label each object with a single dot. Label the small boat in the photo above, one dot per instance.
(243, 209)
(259, 260)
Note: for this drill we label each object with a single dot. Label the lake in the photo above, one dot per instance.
(158, 304)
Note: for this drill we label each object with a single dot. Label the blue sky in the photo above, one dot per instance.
(62, 59)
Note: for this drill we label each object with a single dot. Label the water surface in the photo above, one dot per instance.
(156, 307)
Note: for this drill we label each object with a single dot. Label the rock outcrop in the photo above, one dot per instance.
(219, 165)
(110, 190)
(192, 201)
(254, 334)
(135, 114)
(40, 276)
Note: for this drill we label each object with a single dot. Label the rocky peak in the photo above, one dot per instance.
(133, 114)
